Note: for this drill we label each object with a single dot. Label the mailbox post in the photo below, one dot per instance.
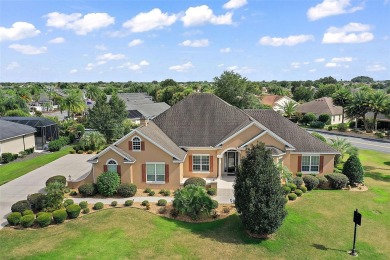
(357, 219)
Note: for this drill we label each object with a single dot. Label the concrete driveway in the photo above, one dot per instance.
(75, 165)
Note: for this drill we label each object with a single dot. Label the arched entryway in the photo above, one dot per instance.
(230, 162)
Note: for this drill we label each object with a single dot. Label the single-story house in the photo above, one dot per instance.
(15, 138)
(275, 101)
(203, 136)
(321, 106)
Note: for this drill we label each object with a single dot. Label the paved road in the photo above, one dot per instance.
(361, 143)
(73, 164)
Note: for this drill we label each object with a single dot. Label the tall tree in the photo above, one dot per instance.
(259, 197)
(94, 92)
(378, 102)
(358, 107)
(230, 86)
(303, 94)
(73, 103)
(342, 97)
(342, 146)
(326, 90)
(289, 109)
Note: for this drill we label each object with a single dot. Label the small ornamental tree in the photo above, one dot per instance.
(259, 196)
(353, 170)
(108, 183)
(55, 195)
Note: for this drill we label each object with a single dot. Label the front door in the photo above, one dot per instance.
(231, 161)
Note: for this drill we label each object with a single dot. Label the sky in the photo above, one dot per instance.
(188, 40)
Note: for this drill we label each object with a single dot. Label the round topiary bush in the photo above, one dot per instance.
(145, 203)
(27, 220)
(108, 183)
(162, 202)
(14, 218)
(59, 216)
(309, 117)
(152, 193)
(337, 181)
(195, 181)
(57, 178)
(68, 202)
(114, 203)
(37, 201)
(212, 191)
(298, 192)
(126, 190)
(88, 189)
(292, 186)
(83, 204)
(73, 193)
(299, 174)
(323, 182)
(303, 189)
(353, 169)
(98, 205)
(292, 196)
(214, 204)
(129, 203)
(167, 193)
(27, 212)
(298, 181)
(286, 189)
(147, 190)
(20, 206)
(86, 211)
(73, 210)
(43, 219)
(342, 127)
(162, 210)
(311, 182)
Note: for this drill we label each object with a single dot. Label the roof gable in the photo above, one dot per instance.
(319, 106)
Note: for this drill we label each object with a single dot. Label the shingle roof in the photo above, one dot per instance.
(10, 129)
(289, 131)
(116, 149)
(200, 120)
(319, 106)
(33, 121)
(270, 99)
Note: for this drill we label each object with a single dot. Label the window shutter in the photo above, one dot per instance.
(299, 163)
(211, 164)
(166, 173)
(105, 168)
(143, 172)
(130, 145)
(190, 163)
(142, 146)
(321, 164)
(118, 169)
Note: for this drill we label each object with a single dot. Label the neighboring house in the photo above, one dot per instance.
(276, 102)
(46, 130)
(321, 106)
(15, 138)
(203, 136)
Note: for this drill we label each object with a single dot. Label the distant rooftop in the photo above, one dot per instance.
(10, 129)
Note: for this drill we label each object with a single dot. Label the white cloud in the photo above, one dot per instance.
(154, 19)
(342, 59)
(57, 40)
(332, 65)
(135, 42)
(144, 63)
(320, 60)
(13, 65)
(28, 49)
(233, 4)
(109, 56)
(306, 63)
(134, 66)
(201, 15)
(220, 65)
(18, 31)
(78, 23)
(312, 70)
(295, 65)
(73, 71)
(195, 43)
(100, 47)
(350, 33)
(182, 68)
(241, 70)
(289, 41)
(225, 50)
(332, 7)
(376, 67)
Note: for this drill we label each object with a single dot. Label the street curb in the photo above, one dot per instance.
(349, 135)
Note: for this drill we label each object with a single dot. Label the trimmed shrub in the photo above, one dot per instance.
(7, 157)
(303, 189)
(298, 192)
(195, 181)
(86, 211)
(83, 204)
(27, 212)
(292, 196)
(311, 182)
(57, 178)
(174, 213)
(323, 182)
(292, 186)
(162, 202)
(212, 191)
(298, 181)
(40, 213)
(162, 210)
(330, 128)
(88, 189)
(98, 205)
(43, 219)
(226, 210)
(108, 183)
(299, 174)
(126, 190)
(353, 170)
(342, 127)
(73, 193)
(337, 181)
(20, 206)
(59, 216)
(161, 191)
(129, 203)
(309, 117)
(14, 218)
(114, 203)
(73, 210)
(324, 118)
(147, 190)
(286, 189)
(27, 220)
(68, 202)
(152, 193)
(66, 190)
(167, 193)
(317, 124)
(145, 203)
(214, 204)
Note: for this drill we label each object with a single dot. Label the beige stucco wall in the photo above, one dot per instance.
(211, 174)
(15, 145)
(240, 139)
(327, 168)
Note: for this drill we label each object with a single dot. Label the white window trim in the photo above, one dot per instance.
(140, 144)
(154, 182)
(111, 160)
(311, 172)
(201, 172)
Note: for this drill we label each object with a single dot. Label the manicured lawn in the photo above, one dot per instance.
(13, 170)
(319, 226)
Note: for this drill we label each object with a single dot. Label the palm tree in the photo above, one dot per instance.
(93, 140)
(289, 109)
(94, 92)
(341, 145)
(342, 97)
(358, 107)
(73, 103)
(378, 102)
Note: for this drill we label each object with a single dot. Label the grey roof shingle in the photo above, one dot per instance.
(319, 106)
(116, 149)
(10, 129)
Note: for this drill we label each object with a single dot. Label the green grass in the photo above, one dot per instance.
(13, 170)
(318, 226)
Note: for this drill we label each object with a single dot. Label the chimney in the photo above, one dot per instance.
(143, 121)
